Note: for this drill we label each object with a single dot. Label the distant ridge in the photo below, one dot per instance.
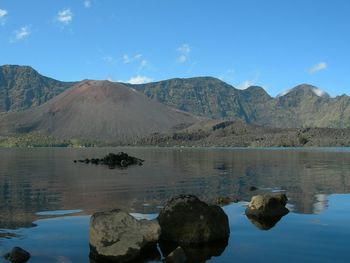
(305, 105)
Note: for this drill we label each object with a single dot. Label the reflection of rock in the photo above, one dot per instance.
(266, 210)
(17, 255)
(117, 236)
(186, 219)
(264, 223)
(177, 256)
(196, 253)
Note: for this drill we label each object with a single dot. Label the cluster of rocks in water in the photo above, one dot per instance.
(113, 160)
(186, 230)
(183, 222)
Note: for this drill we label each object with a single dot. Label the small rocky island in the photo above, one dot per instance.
(113, 160)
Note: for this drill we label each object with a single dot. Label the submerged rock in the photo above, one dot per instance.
(253, 188)
(196, 252)
(264, 223)
(177, 256)
(117, 236)
(224, 200)
(113, 160)
(17, 255)
(266, 210)
(185, 219)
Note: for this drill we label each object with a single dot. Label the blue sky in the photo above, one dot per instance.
(275, 44)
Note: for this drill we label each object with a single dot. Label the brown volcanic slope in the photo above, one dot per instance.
(97, 110)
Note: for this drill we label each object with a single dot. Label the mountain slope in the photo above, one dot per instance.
(203, 96)
(22, 87)
(302, 106)
(97, 110)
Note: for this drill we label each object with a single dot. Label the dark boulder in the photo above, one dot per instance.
(113, 160)
(17, 255)
(266, 210)
(187, 220)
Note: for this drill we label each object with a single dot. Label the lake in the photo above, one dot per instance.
(46, 199)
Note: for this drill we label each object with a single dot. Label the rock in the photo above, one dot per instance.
(224, 200)
(123, 163)
(186, 219)
(177, 256)
(267, 206)
(253, 188)
(117, 236)
(120, 159)
(17, 255)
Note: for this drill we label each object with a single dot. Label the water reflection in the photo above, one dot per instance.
(33, 180)
(196, 253)
(265, 223)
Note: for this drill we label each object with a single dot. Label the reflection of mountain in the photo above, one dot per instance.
(34, 180)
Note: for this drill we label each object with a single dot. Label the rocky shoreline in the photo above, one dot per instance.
(186, 230)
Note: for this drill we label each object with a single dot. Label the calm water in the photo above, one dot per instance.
(46, 199)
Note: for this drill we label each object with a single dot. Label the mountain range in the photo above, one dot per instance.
(110, 111)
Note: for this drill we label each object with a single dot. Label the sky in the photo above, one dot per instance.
(274, 44)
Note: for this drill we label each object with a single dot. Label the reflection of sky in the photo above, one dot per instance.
(315, 238)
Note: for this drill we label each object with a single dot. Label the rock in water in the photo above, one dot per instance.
(17, 255)
(177, 256)
(117, 236)
(267, 206)
(185, 219)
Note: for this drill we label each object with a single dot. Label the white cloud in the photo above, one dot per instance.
(143, 63)
(318, 67)
(139, 80)
(245, 84)
(65, 16)
(3, 15)
(20, 34)
(184, 50)
(126, 59)
(138, 56)
(87, 3)
(108, 59)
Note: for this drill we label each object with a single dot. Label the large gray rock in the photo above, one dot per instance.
(117, 236)
(17, 255)
(266, 210)
(185, 219)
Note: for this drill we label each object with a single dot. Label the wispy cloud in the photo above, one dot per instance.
(139, 80)
(245, 84)
(20, 34)
(87, 3)
(128, 59)
(3, 16)
(184, 50)
(109, 59)
(65, 16)
(318, 67)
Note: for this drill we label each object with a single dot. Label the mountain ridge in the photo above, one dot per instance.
(209, 97)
